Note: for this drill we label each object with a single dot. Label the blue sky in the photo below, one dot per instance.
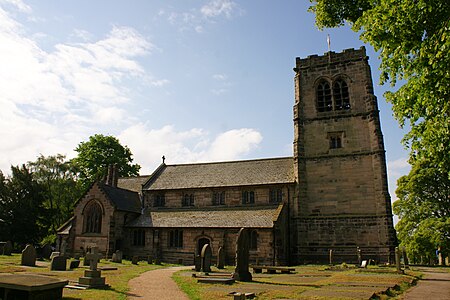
(207, 80)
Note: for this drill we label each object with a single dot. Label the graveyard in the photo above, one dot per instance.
(52, 275)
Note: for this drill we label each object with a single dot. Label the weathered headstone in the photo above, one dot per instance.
(330, 256)
(135, 260)
(75, 263)
(241, 271)
(46, 251)
(220, 258)
(206, 258)
(358, 253)
(364, 264)
(197, 262)
(92, 277)
(117, 256)
(6, 248)
(58, 263)
(28, 256)
(54, 254)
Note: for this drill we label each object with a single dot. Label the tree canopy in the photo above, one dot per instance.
(97, 153)
(412, 38)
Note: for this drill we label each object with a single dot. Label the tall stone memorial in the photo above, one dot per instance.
(241, 272)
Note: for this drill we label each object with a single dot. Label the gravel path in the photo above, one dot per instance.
(156, 284)
(435, 285)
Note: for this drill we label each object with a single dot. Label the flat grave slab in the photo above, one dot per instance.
(343, 292)
(28, 286)
(220, 280)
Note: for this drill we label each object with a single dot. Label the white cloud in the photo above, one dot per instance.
(219, 76)
(19, 4)
(194, 145)
(398, 167)
(218, 7)
(160, 82)
(50, 101)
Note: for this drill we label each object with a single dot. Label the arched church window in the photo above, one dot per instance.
(340, 95)
(93, 218)
(324, 102)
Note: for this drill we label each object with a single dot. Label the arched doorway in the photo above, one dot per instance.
(200, 243)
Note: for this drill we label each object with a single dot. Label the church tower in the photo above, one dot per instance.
(342, 201)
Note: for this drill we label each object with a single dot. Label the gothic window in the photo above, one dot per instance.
(176, 238)
(160, 200)
(324, 102)
(253, 240)
(276, 196)
(218, 198)
(138, 237)
(93, 218)
(188, 200)
(340, 95)
(248, 197)
(335, 139)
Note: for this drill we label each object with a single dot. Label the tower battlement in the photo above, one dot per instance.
(331, 58)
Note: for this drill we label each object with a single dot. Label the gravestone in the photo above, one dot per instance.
(117, 256)
(6, 248)
(330, 256)
(135, 260)
(358, 253)
(364, 264)
(197, 262)
(46, 251)
(54, 254)
(220, 258)
(206, 258)
(28, 256)
(75, 263)
(58, 263)
(241, 271)
(92, 277)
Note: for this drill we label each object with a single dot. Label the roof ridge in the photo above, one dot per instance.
(231, 161)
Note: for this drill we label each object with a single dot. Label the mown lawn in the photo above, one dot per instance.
(117, 279)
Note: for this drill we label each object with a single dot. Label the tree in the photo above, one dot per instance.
(424, 210)
(95, 155)
(25, 220)
(60, 187)
(413, 40)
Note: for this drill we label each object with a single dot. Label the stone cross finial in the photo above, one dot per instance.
(94, 258)
(163, 158)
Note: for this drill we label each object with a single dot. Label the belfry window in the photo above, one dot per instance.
(93, 218)
(335, 139)
(332, 99)
(340, 95)
(324, 102)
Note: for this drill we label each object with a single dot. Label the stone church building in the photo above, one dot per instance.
(331, 195)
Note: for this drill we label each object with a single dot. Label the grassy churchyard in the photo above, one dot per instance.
(117, 279)
(308, 282)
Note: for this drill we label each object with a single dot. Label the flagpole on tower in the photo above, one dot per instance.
(329, 47)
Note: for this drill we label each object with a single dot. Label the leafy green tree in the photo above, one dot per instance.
(413, 40)
(424, 210)
(95, 155)
(58, 180)
(25, 219)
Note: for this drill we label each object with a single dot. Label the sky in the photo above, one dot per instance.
(195, 81)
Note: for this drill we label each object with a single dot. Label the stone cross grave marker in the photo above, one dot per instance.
(206, 258)
(241, 272)
(220, 258)
(94, 258)
(28, 256)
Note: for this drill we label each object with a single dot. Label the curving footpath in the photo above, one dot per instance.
(156, 284)
(435, 285)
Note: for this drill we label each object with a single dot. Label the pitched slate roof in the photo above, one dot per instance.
(124, 200)
(252, 217)
(132, 183)
(221, 174)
